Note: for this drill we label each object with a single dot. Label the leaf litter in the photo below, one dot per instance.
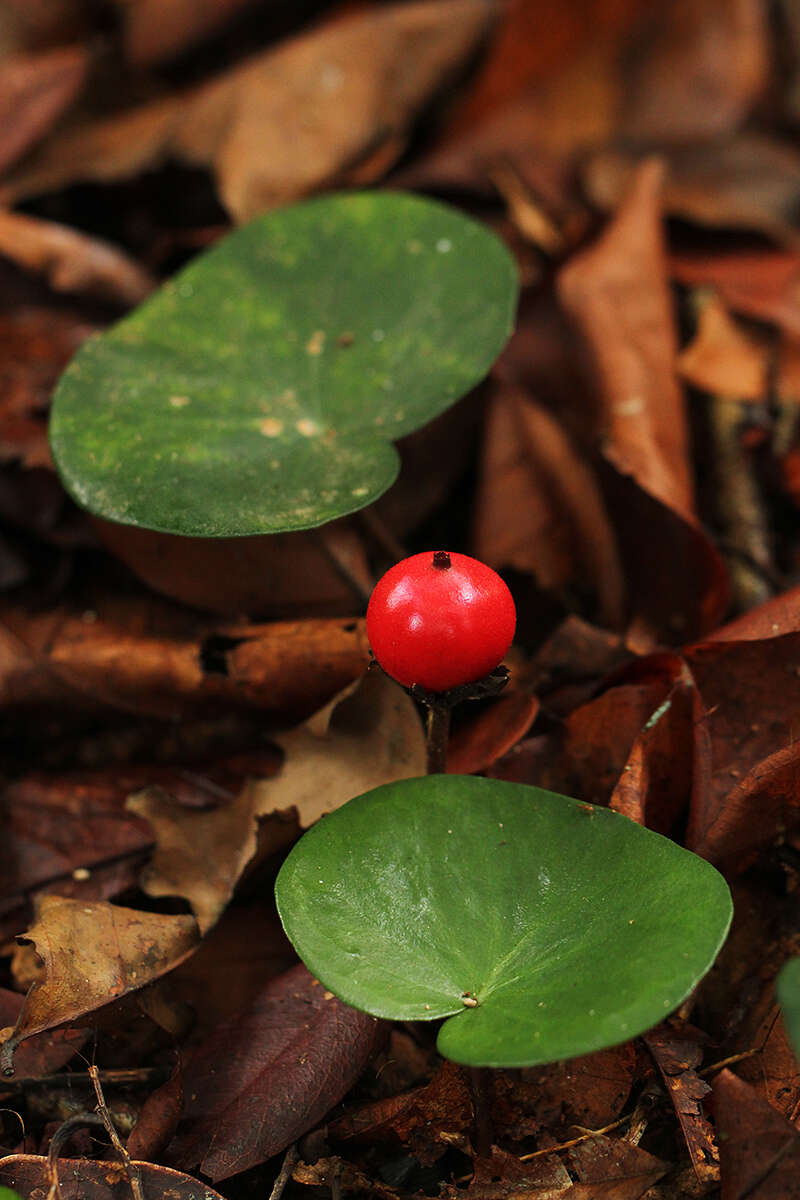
(641, 164)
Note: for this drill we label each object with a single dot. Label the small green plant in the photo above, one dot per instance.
(260, 392)
(540, 927)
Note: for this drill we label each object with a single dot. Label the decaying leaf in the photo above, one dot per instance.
(759, 1149)
(171, 662)
(44, 1052)
(723, 358)
(72, 261)
(617, 293)
(367, 737)
(94, 953)
(314, 111)
(90, 1179)
(35, 89)
(748, 182)
(285, 1061)
(475, 746)
(678, 1053)
(541, 508)
(425, 1121)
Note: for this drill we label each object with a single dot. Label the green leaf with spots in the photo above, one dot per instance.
(261, 389)
(541, 928)
(788, 991)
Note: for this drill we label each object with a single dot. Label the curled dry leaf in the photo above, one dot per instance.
(747, 182)
(477, 745)
(35, 90)
(586, 756)
(697, 69)
(36, 343)
(777, 616)
(368, 736)
(171, 663)
(759, 1149)
(157, 30)
(613, 1169)
(749, 692)
(540, 507)
(667, 754)
(678, 1053)
(43, 1053)
(289, 1059)
(763, 285)
(312, 112)
(94, 953)
(723, 358)
(502, 1176)
(72, 261)
(90, 1179)
(618, 295)
(422, 1121)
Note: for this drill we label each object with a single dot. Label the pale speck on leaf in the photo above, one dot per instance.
(271, 427)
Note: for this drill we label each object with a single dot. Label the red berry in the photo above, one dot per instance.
(440, 620)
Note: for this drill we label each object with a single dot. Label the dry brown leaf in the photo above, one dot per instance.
(477, 745)
(263, 1079)
(655, 785)
(72, 261)
(369, 736)
(618, 294)
(614, 1169)
(697, 69)
(166, 662)
(36, 343)
(540, 508)
(759, 1149)
(91, 1179)
(94, 953)
(678, 1053)
(156, 30)
(301, 116)
(764, 285)
(723, 358)
(35, 90)
(747, 182)
(414, 1120)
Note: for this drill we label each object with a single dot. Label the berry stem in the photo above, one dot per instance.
(437, 733)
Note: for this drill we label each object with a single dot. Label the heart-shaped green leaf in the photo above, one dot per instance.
(572, 927)
(261, 389)
(788, 991)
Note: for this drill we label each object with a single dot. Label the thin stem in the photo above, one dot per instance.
(437, 733)
(131, 1170)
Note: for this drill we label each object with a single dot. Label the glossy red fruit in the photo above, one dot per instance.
(440, 620)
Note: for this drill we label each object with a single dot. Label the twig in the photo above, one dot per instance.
(289, 1159)
(123, 1077)
(729, 1061)
(131, 1170)
(584, 1137)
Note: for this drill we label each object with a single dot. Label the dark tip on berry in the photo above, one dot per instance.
(441, 560)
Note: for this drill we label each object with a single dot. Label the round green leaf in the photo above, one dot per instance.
(260, 390)
(788, 991)
(572, 927)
